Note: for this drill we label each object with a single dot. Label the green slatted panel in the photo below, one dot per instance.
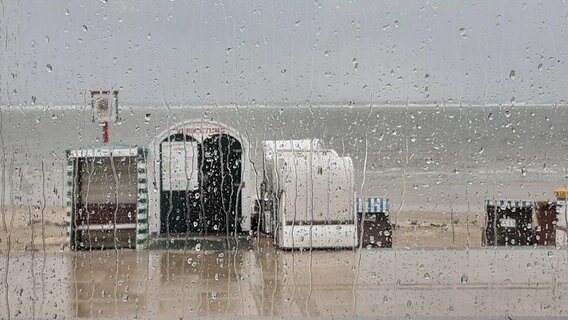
(69, 199)
(142, 203)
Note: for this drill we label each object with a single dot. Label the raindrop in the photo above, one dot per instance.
(67, 12)
(464, 278)
(463, 33)
(85, 29)
(149, 36)
(540, 67)
(49, 67)
(198, 247)
(512, 74)
(326, 52)
(125, 298)
(147, 117)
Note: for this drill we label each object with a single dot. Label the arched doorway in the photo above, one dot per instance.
(200, 184)
(221, 180)
(179, 205)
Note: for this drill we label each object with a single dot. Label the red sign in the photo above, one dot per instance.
(191, 131)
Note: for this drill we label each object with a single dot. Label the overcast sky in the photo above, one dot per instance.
(284, 52)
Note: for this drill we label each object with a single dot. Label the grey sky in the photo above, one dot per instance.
(281, 52)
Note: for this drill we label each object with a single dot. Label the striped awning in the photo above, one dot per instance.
(373, 205)
(510, 203)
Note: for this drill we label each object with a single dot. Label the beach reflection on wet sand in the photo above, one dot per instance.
(263, 281)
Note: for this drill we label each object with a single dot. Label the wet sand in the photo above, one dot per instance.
(428, 273)
(414, 230)
(273, 283)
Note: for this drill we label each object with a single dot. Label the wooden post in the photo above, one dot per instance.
(105, 132)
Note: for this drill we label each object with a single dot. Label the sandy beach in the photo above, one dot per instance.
(414, 230)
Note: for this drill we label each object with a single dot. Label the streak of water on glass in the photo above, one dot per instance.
(358, 251)
(116, 203)
(32, 261)
(44, 201)
(311, 208)
(3, 195)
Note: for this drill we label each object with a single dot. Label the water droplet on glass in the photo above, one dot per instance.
(463, 33)
(198, 247)
(85, 29)
(49, 67)
(67, 12)
(540, 67)
(464, 278)
(512, 74)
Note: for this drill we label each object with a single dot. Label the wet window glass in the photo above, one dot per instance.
(377, 159)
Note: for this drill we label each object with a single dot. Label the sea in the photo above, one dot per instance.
(431, 158)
